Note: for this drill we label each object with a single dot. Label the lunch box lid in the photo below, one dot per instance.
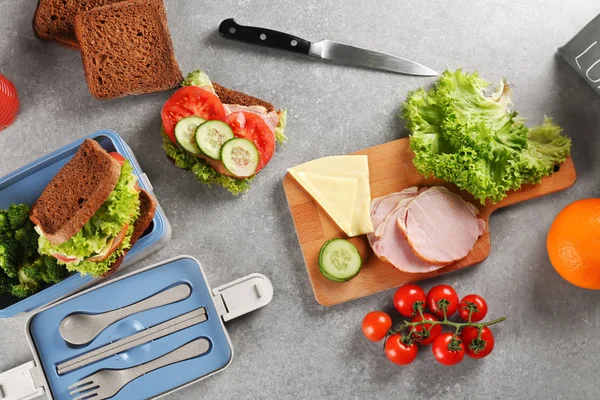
(26, 184)
(230, 300)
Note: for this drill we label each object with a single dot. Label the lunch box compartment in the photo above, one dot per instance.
(221, 304)
(26, 185)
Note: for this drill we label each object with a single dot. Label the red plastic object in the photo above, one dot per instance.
(9, 102)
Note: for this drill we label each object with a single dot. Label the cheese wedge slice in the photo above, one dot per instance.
(328, 181)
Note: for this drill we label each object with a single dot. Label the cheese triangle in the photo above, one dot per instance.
(335, 172)
(335, 195)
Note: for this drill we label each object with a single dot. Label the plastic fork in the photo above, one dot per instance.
(106, 383)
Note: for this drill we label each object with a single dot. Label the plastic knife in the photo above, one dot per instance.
(325, 49)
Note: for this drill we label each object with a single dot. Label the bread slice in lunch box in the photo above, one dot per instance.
(126, 49)
(55, 19)
(147, 210)
(76, 192)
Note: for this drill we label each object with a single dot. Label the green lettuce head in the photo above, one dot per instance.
(462, 134)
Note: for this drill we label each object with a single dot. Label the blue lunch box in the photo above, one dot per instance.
(26, 185)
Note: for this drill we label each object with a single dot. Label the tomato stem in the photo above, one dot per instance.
(457, 325)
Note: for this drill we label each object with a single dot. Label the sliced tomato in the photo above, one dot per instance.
(188, 101)
(63, 258)
(116, 242)
(118, 157)
(252, 127)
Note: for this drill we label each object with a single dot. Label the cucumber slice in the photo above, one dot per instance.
(210, 137)
(339, 260)
(240, 157)
(185, 132)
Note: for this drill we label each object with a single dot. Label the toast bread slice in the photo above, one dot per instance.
(76, 192)
(230, 96)
(55, 19)
(147, 210)
(126, 49)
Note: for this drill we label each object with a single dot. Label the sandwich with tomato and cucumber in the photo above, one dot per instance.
(222, 136)
(92, 212)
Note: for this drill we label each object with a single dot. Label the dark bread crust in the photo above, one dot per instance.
(147, 210)
(230, 96)
(126, 49)
(54, 19)
(76, 192)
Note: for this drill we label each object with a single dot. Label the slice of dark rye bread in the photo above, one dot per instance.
(147, 210)
(55, 19)
(229, 96)
(126, 49)
(76, 192)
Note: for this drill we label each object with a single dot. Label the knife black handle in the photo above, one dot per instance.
(264, 37)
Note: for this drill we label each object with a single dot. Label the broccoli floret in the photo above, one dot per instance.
(54, 271)
(4, 223)
(26, 285)
(18, 214)
(9, 255)
(5, 283)
(27, 238)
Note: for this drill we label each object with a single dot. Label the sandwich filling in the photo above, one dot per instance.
(109, 229)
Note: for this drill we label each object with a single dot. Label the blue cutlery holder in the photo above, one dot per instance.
(221, 304)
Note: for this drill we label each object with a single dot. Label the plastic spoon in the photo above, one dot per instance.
(80, 328)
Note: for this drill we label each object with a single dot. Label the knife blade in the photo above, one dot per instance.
(324, 49)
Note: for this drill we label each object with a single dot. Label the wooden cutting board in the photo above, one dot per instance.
(391, 170)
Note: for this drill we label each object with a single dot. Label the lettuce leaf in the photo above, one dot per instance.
(462, 135)
(120, 208)
(200, 79)
(279, 135)
(201, 170)
(96, 269)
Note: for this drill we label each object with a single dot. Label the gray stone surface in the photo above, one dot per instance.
(294, 348)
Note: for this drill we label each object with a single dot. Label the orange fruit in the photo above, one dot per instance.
(573, 243)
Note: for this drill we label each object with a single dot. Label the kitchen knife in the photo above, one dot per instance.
(325, 49)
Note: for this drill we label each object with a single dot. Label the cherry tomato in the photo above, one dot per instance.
(405, 298)
(9, 102)
(117, 157)
(376, 325)
(399, 352)
(433, 334)
(443, 293)
(188, 101)
(477, 348)
(476, 302)
(444, 353)
(250, 126)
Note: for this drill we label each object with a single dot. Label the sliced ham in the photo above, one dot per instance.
(271, 118)
(382, 206)
(440, 226)
(388, 242)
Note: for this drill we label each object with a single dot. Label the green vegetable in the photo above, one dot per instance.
(25, 287)
(198, 78)
(18, 214)
(5, 283)
(201, 170)
(120, 208)
(339, 260)
(96, 269)
(279, 135)
(10, 255)
(461, 135)
(4, 223)
(27, 238)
